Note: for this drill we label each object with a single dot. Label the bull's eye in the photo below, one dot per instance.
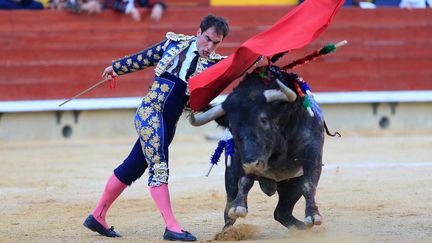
(264, 121)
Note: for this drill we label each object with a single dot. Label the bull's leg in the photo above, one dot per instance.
(239, 206)
(312, 172)
(232, 177)
(289, 193)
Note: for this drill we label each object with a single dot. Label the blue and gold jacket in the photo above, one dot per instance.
(162, 56)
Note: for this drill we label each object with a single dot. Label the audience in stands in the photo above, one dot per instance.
(125, 6)
(24, 4)
(92, 6)
(409, 4)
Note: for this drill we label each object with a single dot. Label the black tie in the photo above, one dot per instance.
(192, 66)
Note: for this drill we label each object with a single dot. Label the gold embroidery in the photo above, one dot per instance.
(216, 56)
(165, 58)
(203, 61)
(117, 65)
(135, 65)
(170, 54)
(152, 94)
(147, 99)
(157, 107)
(143, 134)
(147, 110)
(150, 122)
(199, 69)
(125, 69)
(137, 124)
(178, 37)
(139, 58)
(156, 138)
(144, 115)
(129, 61)
(149, 53)
(155, 143)
(164, 88)
(146, 62)
(146, 133)
(160, 170)
(173, 51)
(156, 159)
(156, 56)
(149, 152)
(155, 125)
(161, 97)
(155, 119)
(155, 85)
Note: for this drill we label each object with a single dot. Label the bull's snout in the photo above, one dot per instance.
(254, 167)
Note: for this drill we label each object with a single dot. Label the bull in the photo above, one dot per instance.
(277, 142)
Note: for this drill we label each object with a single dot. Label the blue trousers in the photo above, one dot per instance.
(155, 122)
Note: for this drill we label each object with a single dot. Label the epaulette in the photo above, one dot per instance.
(178, 37)
(216, 56)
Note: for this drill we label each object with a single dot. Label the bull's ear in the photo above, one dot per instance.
(292, 76)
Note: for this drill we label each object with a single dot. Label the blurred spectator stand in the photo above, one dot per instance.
(389, 49)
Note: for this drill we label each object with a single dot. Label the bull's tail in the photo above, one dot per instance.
(329, 133)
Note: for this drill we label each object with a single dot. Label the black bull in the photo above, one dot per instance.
(277, 142)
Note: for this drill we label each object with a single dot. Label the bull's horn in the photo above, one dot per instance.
(291, 95)
(206, 117)
(274, 94)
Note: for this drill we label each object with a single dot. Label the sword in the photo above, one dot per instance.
(86, 90)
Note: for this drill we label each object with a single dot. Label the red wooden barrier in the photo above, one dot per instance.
(54, 55)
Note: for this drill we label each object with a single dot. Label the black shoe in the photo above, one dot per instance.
(92, 224)
(185, 236)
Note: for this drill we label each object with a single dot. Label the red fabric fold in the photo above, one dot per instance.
(296, 29)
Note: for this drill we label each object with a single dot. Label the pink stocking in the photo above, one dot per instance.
(113, 189)
(161, 197)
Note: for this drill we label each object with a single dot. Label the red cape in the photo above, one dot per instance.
(293, 31)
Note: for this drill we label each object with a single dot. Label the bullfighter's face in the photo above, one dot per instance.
(208, 41)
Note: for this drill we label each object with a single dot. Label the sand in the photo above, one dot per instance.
(375, 187)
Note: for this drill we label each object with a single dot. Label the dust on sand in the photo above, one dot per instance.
(374, 188)
(237, 232)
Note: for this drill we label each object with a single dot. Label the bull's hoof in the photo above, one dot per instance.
(237, 212)
(315, 220)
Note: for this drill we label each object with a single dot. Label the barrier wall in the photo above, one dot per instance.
(54, 55)
(381, 80)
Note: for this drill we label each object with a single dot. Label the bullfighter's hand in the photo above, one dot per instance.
(109, 73)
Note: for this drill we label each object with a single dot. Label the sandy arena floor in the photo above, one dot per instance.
(374, 188)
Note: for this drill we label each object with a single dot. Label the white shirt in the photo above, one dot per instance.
(186, 63)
